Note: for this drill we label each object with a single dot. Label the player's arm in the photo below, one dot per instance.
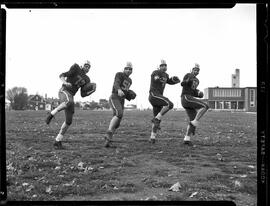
(173, 80)
(68, 74)
(187, 81)
(155, 76)
(117, 83)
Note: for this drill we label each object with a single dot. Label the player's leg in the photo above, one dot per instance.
(117, 108)
(156, 110)
(198, 105)
(65, 97)
(167, 105)
(69, 111)
(190, 128)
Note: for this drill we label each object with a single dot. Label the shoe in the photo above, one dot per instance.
(108, 139)
(189, 143)
(49, 118)
(58, 145)
(192, 128)
(156, 123)
(152, 140)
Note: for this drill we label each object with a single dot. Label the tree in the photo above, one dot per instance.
(104, 103)
(93, 105)
(77, 105)
(18, 97)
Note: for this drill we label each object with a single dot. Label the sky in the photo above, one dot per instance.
(43, 43)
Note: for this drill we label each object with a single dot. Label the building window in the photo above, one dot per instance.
(219, 105)
(252, 97)
(227, 105)
(211, 104)
(233, 105)
(241, 105)
(226, 93)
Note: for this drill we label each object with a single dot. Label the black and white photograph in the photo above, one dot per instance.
(131, 104)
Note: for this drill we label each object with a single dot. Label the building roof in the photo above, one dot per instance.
(230, 87)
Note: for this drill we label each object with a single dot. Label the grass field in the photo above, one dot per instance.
(135, 169)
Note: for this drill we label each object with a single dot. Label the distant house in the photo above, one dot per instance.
(36, 102)
(7, 105)
(131, 106)
(51, 103)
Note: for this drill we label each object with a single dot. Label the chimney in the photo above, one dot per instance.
(236, 79)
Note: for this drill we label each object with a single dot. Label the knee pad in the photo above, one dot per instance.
(120, 115)
(206, 106)
(70, 104)
(170, 105)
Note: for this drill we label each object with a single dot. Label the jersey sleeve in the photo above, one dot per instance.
(155, 76)
(187, 80)
(71, 71)
(87, 79)
(117, 81)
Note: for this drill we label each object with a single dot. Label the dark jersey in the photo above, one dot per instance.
(121, 81)
(158, 81)
(77, 77)
(190, 83)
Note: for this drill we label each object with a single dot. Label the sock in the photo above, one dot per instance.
(54, 111)
(159, 116)
(195, 122)
(187, 138)
(153, 135)
(59, 137)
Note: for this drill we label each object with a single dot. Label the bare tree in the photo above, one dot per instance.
(17, 97)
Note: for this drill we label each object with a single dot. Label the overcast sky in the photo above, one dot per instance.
(41, 44)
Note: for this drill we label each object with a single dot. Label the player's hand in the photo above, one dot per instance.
(120, 93)
(176, 79)
(200, 94)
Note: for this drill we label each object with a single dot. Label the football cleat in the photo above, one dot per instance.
(152, 140)
(108, 139)
(58, 145)
(49, 118)
(189, 143)
(156, 123)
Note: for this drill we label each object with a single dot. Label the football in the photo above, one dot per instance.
(200, 94)
(129, 95)
(175, 79)
(88, 89)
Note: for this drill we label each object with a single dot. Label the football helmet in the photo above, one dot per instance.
(163, 62)
(87, 62)
(129, 65)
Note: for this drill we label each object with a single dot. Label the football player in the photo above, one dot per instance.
(161, 105)
(195, 108)
(120, 92)
(72, 80)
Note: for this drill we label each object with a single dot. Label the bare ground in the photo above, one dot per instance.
(134, 169)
